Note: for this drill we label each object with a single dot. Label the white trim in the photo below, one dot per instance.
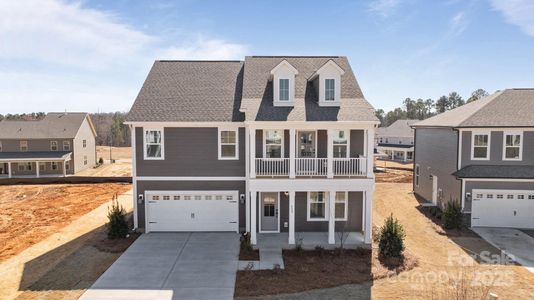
(488, 152)
(463, 194)
(284, 63)
(57, 146)
(66, 143)
(346, 202)
(355, 125)
(186, 178)
(326, 201)
(497, 128)
(510, 132)
(347, 136)
(297, 142)
(162, 131)
(282, 152)
(460, 138)
(277, 212)
(312, 184)
(236, 144)
(499, 179)
(247, 174)
(184, 124)
(134, 174)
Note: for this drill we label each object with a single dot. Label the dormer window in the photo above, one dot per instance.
(327, 81)
(329, 89)
(283, 77)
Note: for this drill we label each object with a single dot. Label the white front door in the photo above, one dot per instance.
(192, 210)
(269, 206)
(502, 208)
(435, 189)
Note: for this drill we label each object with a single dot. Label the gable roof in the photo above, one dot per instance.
(258, 91)
(53, 125)
(508, 108)
(190, 91)
(400, 128)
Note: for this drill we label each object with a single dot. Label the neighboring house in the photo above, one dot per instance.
(482, 155)
(265, 145)
(58, 145)
(396, 140)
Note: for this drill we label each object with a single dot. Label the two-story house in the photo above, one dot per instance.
(396, 140)
(58, 145)
(270, 145)
(482, 155)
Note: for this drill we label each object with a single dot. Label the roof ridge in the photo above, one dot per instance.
(295, 56)
(489, 99)
(193, 60)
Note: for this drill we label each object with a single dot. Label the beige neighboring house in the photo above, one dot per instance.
(60, 144)
(396, 141)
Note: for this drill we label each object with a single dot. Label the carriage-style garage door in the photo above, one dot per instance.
(192, 210)
(503, 208)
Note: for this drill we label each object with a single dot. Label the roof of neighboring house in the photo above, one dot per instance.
(400, 128)
(513, 172)
(53, 125)
(190, 91)
(508, 108)
(59, 155)
(395, 145)
(258, 91)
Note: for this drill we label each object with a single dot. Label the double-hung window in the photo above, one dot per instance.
(23, 146)
(329, 89)
(284, 89)
(480, 146)
(228, 141)
(66, 146)
(53, 146)
(274, 143)
(341, 144)
(153, 140)
(341, 206)
(317, 206)
(512, 146)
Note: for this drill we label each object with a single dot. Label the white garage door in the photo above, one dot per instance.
(503, 208)
(192, 210)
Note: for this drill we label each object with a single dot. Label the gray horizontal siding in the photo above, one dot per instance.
(190, 152)
(33, 144)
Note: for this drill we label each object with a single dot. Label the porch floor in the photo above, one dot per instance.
(309, 240)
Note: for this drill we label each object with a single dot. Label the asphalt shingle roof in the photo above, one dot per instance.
(190, 91)
(508, 108)
(512, 172)
(53, 125)
(34, 155)
(400, 128)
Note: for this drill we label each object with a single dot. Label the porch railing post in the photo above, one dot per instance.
(368, 229)
(332, 217)
(252, 158)
(9, 170)
(370, 152)
(37, 169)
(292, 149)
(330, 155)
(253, 214)
(291, 239)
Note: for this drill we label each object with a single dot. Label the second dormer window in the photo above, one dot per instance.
(284, 89)
(330, 90)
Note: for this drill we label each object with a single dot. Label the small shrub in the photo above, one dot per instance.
(298, 246)
(101, 161)
(245, 242)
(452, 216)
(319, 250)
(391, 240)
(118, 224)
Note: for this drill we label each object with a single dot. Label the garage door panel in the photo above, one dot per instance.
(192, 211)
(503, 208)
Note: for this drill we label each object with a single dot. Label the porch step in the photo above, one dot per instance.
(270, 258)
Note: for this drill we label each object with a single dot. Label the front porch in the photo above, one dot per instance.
(310, 240)
(35, 164)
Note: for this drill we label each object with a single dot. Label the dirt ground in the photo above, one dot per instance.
(441, 258)
(112, 170)
(30, 213)
(120, 153)
(393, 164)
(394, 176)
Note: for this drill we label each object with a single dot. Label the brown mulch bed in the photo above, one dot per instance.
(249, 254)
(317, 269)
(438, 224)
(116, 245)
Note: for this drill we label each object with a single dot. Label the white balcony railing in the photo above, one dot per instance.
(272, 166)
(350, 166)
(311, 166)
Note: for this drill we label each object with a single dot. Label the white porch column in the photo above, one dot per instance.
(64, 168)
(368, 229)
(9, 170)
(332, 217)
(37, 168)
(370, 152)
(291, 228)
(292, 150)
(253, 214)
(253, 153)
(247, 174)
(330, 154)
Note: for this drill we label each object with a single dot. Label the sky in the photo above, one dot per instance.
(94, 55)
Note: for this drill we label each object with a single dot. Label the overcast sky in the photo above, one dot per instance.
(94, 55)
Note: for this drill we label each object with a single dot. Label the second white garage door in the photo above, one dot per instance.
(192, 210)
(503, 208)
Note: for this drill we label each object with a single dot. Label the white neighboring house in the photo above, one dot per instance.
(396, 141)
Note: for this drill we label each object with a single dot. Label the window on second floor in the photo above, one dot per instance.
(66, 146)
(228, 144)
(284, 89)
(84, 143)
(329, 89)
(480, 146)
(153, 144)
(23, 146)
(274, 143)
(512, 146)
(340, 144)
(53, 146)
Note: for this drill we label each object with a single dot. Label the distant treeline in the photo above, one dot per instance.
(422, 109)
(110, 128)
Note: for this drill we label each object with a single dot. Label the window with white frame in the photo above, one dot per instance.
(480, 146)
(153, 140)
(329, 89)
(228, 144)
(66, 146)
(274, 143)
(317, 206)
(25, 166)
(53, 146)
(512, 145)
(85, 159)
(54, 165)
(417, 173)
(67, 165)
(340, 144)
(23, 146)
(341, 206)
(284, 89)
(84, 143)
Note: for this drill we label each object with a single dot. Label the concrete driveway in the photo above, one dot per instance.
(512, 242)
(172, 266)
